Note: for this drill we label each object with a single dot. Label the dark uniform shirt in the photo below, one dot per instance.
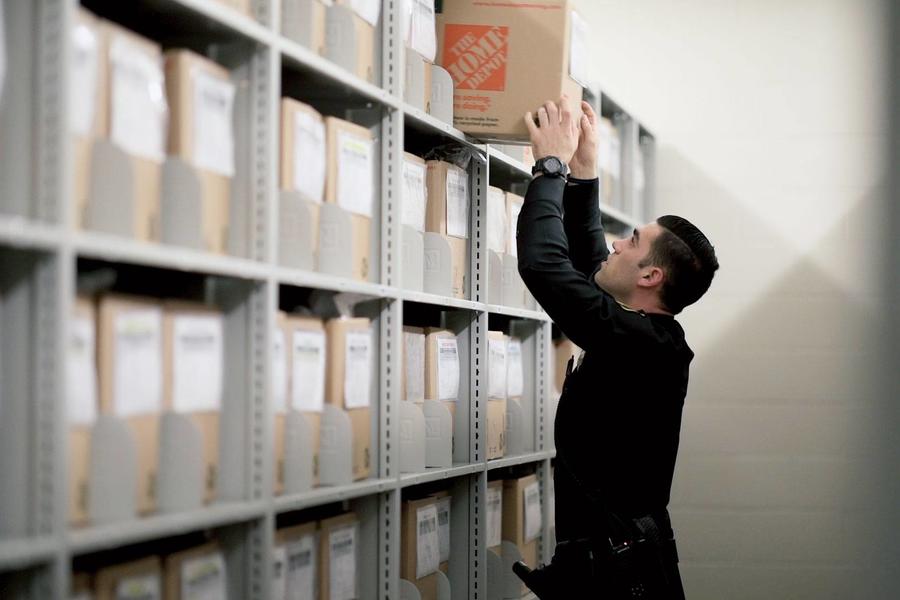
(619, 416)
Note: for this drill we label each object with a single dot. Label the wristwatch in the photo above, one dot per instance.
(550, 166)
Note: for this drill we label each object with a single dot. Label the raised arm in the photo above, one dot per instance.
(581, 220)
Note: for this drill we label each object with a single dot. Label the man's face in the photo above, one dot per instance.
(620, 272)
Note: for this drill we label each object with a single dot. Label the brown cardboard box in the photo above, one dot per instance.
(82, 586)
(441, 179)
(496, 415)
(497, 221)
(182, 67)
(365, 47)
(431, 366)
(413, 378)
(415, 196)
(326, 528)
(144, 424)
(498, 69)
(418, 80)
(438, 498)
(304, 23)
(206, 419)
(563, 350)
(337, 173)
(427, 585)
(495, 487)
(336, 391)
(514, 518)
(80, 431)
(141, 577)
(201, 566)
(292, 325)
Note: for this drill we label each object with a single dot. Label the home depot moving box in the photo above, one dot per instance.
(420, 546)
(303, 21)
(193, 375)
(81, 401)
(366, 14)
(338, 553)
(443, 500)
(138, 579)
(130, 367)
(196, 573)
(201, 132)
(497, 393)
(509, 58)
(413, 382)
(522, 517)
(307, 357)
(297, 550)
(447, 213)
(494, 516)
(351, 358)
(563, 350)
(442, 368)
(350, 183)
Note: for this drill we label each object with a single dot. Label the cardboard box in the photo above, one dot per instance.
(308, 341)
(447, 213)
(499, 70)
(82, 587)
(199, 570)
(350, 183)
(497, 221)
(348, 386)
(130, 332)
(417, 81)
(339, 541)
(415, 192)
(193, 375)
(409, 544)
(303, 21)
(299, 547)
(493, 513)
(365, 37)
(496, 406)
(563, 350)
(514, 517)
(413, 381)
(438, 343)
(444, 501)
(82, 403)
(515, 369)
(191, 78)
(141, 578)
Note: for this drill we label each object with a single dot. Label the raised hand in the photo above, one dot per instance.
(584, 162)
(556, 133)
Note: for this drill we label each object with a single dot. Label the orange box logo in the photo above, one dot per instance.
(475, 56)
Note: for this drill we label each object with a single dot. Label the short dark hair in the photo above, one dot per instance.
(688, 259)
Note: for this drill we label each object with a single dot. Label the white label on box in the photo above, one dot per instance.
(83, 79)
(139, 587)
(443, 516)
(414, 195)
(457, 203)
(279, 371)
(515, 207)
(497, 233)
(279, 568)
(531, 496)
(447, 368)
(213, 123)
(415, 366)
(308, 371)
(81, 370)
(579, 64)
(203, 578)
(310, 156)
(427, 543)
(514, 375)
(355, 185)
(139, 109)
(497, 369)
(422, 30)
(615, 156)
(197, 363)
(342, 563)
(357, 369)
(137, 376)
(369, 10)
(494, 519)
(301, 568)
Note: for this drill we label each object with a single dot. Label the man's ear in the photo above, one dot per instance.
(651, 277)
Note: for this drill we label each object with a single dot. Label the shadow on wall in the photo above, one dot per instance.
(774, 487)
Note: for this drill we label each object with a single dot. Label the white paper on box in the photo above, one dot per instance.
(139, 109)
(308, 371)
(415, 366)
(414, 195)
(531, 496)
(515, 207)
(443, 516)
(427, 542)
(139, 587)
(514, 375)
(369, 10)
(579, 66)
(422, 29)
(355, 185)
(279, 571)
(301, 568)
(497, 226)
(357, 369)
(342, 563)
(447, 368)
(494, 516)
(81, 370)
(83, 79)
(203, 578)
(309, 156)
(497, 369)
(137, 375)
(213, 123)
(198, 355)
(279, 372)
(457, 203)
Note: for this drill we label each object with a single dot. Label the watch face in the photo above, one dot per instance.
(553, 164)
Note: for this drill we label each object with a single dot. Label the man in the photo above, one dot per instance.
(619, 416)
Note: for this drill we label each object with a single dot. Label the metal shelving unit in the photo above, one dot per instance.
(40, 254)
